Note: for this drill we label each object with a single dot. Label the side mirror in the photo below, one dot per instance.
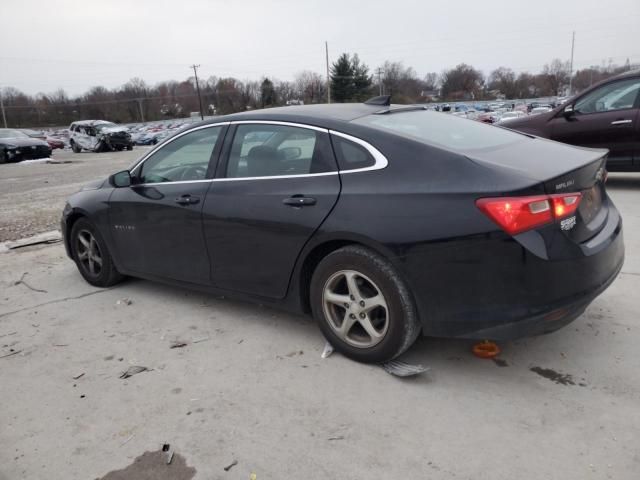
(568, 111)
(121, 179)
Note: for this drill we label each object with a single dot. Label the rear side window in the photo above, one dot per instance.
(350, 155)
(442, 129)
(265, 150)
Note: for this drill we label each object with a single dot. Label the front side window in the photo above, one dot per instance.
(185, 158)
(613, 96)
(264, 150)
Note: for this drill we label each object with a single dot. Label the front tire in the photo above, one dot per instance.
(363, 306)
(75, 147)
(92, 256)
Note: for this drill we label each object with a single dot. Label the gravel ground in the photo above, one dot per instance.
(32, 195)
(249, 386)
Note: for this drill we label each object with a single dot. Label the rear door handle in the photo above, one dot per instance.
(187, 200)
(299, 201)
(622, 122)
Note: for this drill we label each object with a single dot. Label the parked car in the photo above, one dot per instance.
(99, 136)
(16, 146)
(606, 115)
(54, 142)
(382, 221)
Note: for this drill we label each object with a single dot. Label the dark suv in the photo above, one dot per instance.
(606, 115)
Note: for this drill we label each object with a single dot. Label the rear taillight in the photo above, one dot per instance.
(519, 214)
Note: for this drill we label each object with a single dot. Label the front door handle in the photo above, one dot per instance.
(187, 200)
(299, 201)
(622, 122)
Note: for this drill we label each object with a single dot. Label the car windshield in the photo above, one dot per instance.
(443, 130)
(100, 126)
(12, 134)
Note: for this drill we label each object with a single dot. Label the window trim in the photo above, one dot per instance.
(634, 106)
(164, 144)
(381, 161)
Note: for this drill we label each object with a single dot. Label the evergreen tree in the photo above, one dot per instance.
(362, 81)
(267, 93)
(342, 75)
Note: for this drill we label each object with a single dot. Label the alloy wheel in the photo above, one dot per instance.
(355, 308)
(88, 252)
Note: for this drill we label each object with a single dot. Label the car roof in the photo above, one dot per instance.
(90, 122)
(322, 115)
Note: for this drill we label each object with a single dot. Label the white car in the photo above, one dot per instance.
(98, 136)
(539, 110)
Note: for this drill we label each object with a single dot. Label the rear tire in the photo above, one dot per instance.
(129, 147)
(3, 156)
(91, 255)
(363, 306)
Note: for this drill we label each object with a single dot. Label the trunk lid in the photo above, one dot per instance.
(559, 168)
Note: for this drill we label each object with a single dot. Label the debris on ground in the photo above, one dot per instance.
(328, 350)
(486, 349)
(178, 344)
(339, 437)
(403, 369)
(127, 440)
(23, 282)
(201, 339)
(42, 238)
(294, 353)
(230, 466)
(11, 352)
(80, 375)
(133, 370)
(169, 451)
(124, 301)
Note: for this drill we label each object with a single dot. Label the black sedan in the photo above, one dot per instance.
(16, 146)
(382, 221)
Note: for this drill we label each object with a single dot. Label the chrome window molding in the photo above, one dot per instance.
(278, 122)
(164, 144)
(380, 160)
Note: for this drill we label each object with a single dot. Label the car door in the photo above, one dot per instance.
(603, 118)
(82, 137)
(156, 223)
(276, 184)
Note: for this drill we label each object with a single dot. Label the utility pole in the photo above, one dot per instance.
(139, 100)
(195, 72)
(573, 41)
(379, 72)
(4, 117)
(326, 51)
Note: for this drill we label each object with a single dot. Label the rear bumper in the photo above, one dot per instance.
(491, 287)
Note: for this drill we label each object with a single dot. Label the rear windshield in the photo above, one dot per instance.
(441, 129)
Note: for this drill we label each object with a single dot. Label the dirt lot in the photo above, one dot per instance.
(32, 194)
(249, 385)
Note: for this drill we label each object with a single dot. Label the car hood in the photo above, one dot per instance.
(95, 185)
(24, 142)
(532, 123)
(537, 158)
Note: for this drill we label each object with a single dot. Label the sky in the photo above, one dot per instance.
(74, 45)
